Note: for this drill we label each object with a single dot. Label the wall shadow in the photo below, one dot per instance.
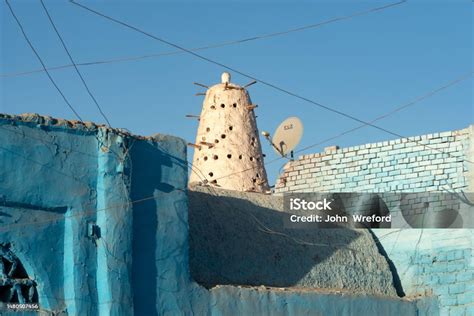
(146, 163)
(396, 278)
(234, 241)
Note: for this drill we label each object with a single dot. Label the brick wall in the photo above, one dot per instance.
(427, 261)
(417, 164)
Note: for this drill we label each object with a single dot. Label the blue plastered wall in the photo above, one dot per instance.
(99, 220)
(428, 261)
(60, 178)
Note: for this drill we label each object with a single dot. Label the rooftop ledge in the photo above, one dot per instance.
(48, 122)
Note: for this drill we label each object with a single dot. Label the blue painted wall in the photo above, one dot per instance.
(58, 177)
(436, 262)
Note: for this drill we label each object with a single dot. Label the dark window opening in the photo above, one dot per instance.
(16, 286)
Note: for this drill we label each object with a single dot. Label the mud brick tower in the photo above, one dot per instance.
(228, 153)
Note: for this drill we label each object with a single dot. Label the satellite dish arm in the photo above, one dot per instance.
(267, 136)
(277, 149)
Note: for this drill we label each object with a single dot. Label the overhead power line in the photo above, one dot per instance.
(401, 107)
(381, 117)
(41, 61)
(395, 110)
(266, 83)
(217, 45)
(201, 175)
(74, 63)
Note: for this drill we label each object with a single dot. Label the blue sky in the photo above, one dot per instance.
(364, 66)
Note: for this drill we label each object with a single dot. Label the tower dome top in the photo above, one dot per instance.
(225, 77)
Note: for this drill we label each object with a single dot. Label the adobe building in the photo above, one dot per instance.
(96, 222)
(435, 261)
(227, 151)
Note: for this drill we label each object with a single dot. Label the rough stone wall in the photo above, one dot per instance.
(228, 142)
(437, 261)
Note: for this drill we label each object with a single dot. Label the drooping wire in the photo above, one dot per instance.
(381, 117)
(217, 45)
(201, 175)
(41, 61)
(266, 83)
(74, 63)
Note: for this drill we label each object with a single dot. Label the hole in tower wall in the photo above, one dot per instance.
(257, 175)
(231, 128)
(216, 141)
(205, 158)
(229, 156)
(251, 158)
(215, 157)
(252, 141)
(208, 129)
(240, 156)
(211, 174)
(223, 136)
(222, 105)
(234, 105)
(254, 180)
(213, 107)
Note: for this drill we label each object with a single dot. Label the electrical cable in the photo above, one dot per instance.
(41, 61)
(266, 83)
(211, 46)
(73, 62)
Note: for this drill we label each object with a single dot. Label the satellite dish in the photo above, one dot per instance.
(287, 136)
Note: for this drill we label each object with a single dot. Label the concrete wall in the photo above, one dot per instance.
(57, 176)
(427, 261)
